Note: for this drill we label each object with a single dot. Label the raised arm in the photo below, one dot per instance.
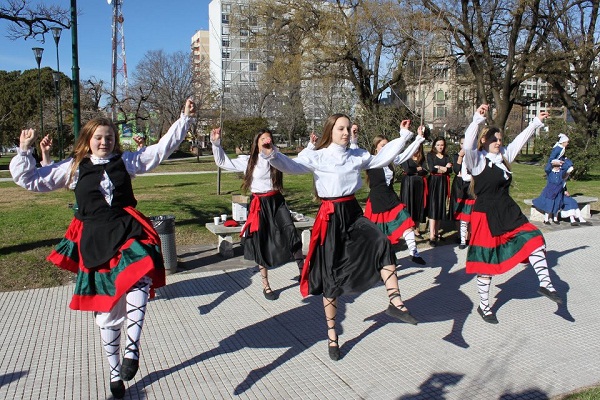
(25, 174)
(221, 159)
(512, 150)
(387, 154)
(472, 160)
(150, 157)
(411, 149)
(45, 146)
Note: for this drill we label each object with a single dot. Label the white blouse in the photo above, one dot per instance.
(261, 176)
(475, 160)
(337, 169)
(55, 176)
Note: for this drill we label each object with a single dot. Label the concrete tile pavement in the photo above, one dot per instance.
(211, 334)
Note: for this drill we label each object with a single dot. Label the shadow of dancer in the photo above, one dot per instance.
(523, 285)
(286, 330)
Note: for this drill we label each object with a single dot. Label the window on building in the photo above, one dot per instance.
(439, 112)
(252, 20)
(440, 95)
(253, 67)
(226, 8)
(226, 54)
(225, 18)
(243, 32)
(225, 42)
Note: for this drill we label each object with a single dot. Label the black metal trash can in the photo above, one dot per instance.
(165, 227)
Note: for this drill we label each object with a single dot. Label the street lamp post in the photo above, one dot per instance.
(56, 76)
(37, 52)
(56, 31)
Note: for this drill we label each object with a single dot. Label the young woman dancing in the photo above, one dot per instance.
(383, 207)
(501, 236)
(269, 234)
(111, 246)
(348, 253)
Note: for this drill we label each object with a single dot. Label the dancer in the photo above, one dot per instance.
(348, 253)
(269, 234)
(555, 197)
(383, 207)
(501, 236)
(438, 188)
(111, 246)
(413, 188)
(461, 200)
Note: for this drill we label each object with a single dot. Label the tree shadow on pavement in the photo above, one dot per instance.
(529, 394)
(434, 388)
(286, 330)
(524, 285)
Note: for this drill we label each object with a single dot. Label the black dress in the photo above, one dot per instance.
(438, 188)
(413, 189)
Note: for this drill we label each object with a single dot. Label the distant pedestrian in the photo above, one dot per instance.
(269, 235)
(501, 237)
(383, 207)
(110, 245)
(348, 253)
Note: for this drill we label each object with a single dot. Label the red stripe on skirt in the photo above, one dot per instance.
(317, 237)
(390, 216)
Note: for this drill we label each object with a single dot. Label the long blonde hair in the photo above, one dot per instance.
(82, 147)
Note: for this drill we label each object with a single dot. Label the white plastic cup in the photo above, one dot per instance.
(217, 219)
(223, 217)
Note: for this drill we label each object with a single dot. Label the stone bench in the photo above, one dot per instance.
(584, 203)
(225, 238)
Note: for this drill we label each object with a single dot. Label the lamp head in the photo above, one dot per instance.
(37, 52)
(56, 31)
(56, 76)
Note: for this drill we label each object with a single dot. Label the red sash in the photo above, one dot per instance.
(317, 236)
(253, 221)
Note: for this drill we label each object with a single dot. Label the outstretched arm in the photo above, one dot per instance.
(512, 150)
(150, 157)
(472, 161)
(221, 159)
(387, 154)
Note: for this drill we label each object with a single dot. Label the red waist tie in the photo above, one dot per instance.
(253, 221)
(317, 236)
(425, 192)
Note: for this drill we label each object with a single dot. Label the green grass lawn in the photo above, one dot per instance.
(32, 223)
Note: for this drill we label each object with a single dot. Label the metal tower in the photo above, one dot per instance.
(119, 62)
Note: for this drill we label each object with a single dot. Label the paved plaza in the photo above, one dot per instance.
(210, 334)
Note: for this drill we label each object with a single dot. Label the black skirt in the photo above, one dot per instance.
(277, 238)
(352, 256)
(437, 201)
(412, 194)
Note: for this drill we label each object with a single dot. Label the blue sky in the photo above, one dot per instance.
(149, 25)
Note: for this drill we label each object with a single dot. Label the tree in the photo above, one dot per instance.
(501, 42)
(239, 133)
(161, 84)
(33, 21)
(572, 61)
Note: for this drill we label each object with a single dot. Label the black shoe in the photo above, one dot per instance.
(462, 246)
(117, 389)
(334, 351)
(404, 316)
(556, 222)
(489, 318)
(547, 223)
(575, 223)
(586, 223)
(552, 295)
(432, 243)
(270, 295)
(129, 367)
(418, 260)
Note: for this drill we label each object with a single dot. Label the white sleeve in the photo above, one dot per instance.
(303, 164)
(237, 165)
(389, 151)
(44, 179)
(473, 160)
(511, 151)
(150, 157)
(409, 151)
